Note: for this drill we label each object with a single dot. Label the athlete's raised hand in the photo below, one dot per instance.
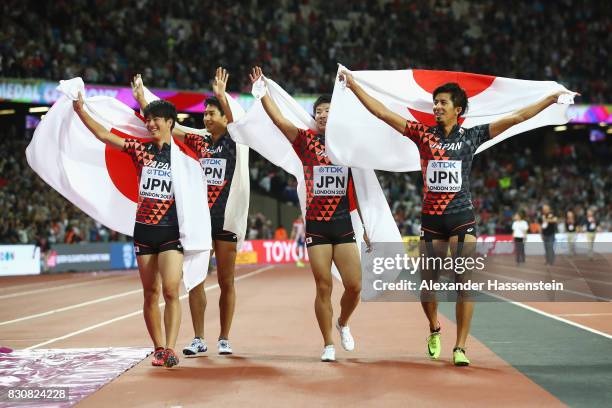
(138, 91)
(220, 82)
(563, 96)
(137, 87)
(255, 74)
(77, 104)
(347, 78)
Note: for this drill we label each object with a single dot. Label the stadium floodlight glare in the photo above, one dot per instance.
(182, 116)
(7, 111)
(603, 124)
(609, 131)
(39, 109)
(560, 128)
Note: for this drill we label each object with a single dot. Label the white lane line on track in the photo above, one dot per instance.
(65, 309)
(573, 292)
(584, 314)
(567, 278)
(560, 319)
(71, 285)
(552, 316)
(136, 313)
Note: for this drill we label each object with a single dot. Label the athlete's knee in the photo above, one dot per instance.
(324, 288)
(226, 283)
(171, 293)
(464, 296)
(353, 287)
(151, 294)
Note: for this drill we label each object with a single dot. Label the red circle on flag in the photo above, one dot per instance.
(122, 172)
(473, 84)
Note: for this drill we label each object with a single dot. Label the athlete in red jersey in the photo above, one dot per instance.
(329, 232)
(156, 234)
(446, 153)
(217, 155)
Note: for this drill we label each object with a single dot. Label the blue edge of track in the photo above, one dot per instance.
(572, 364)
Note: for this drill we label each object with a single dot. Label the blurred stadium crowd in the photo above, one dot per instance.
(178, 44)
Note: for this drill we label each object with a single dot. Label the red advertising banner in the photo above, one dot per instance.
(269, 252)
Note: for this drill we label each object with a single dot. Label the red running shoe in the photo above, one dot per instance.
(170, 358)
(159, 355)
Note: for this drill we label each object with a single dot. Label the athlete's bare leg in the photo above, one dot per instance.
(171, 271)
(149, 276)
(464, 308)
(226, 265)
(430, 305)
(320, 262)
(346, 258)
(197, 307)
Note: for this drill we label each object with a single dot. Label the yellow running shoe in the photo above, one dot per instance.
(434, 345)
(459, 357)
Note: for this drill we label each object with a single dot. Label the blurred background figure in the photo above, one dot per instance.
(548, 224)
(590, 227)
(570, 230)
(298, 233)
(519, 233)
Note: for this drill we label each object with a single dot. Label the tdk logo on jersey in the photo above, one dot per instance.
(332, 169)
(447, 146)
(444, 164)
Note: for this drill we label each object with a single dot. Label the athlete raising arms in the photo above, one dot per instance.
(329, 231)
(447, 152)
(159, 253)
(217, 154)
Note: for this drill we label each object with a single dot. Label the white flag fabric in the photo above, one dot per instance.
(257, 130)
(102, 181)
(355, 137)
(237, 208)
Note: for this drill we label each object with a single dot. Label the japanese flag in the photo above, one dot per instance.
(357, 138)
(103, 182)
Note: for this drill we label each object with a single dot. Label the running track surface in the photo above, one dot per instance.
(519, 355)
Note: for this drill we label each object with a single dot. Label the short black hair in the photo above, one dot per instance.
(214, 101)
(326, 98)
(161, 109)
(458, 95)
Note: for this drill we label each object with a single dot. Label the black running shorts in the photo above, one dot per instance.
(152, 239)
(334, 232)
(219, 234)
(442, 227)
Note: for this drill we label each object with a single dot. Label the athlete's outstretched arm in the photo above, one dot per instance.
(97, 129)
(375, 107)
(523, 114)
(138, 92)
(219, 85)
(289, 129)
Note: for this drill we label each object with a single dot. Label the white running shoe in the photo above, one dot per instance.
(348, 343)
(329, 353)
(197, 346)
(224, 347)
